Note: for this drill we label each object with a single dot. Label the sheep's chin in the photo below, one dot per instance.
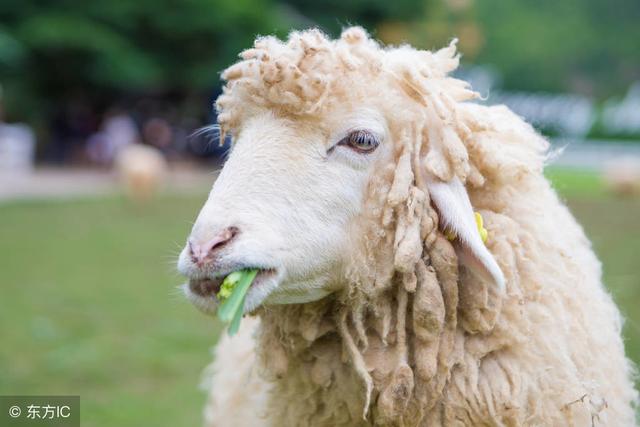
(272, 290)
(296, 298)
(299, 291)
(267, 289)
(259, 292)
(265, 283)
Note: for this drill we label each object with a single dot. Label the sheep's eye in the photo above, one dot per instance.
(361, 141)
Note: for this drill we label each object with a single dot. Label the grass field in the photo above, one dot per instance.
(89, 305)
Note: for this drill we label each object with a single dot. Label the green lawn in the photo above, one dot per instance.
(89, 306)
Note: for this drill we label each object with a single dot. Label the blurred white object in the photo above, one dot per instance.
(141, 169)
(623, 116)
(568, 114)
(117, 131)
(622, 176)
(17, 148)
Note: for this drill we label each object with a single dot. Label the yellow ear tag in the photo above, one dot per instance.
(480, 224)
(484, 234)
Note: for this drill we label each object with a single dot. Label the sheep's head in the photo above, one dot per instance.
(338, 144)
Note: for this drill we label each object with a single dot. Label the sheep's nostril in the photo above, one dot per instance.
(203, 252)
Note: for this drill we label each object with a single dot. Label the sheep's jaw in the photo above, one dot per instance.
(202, 292)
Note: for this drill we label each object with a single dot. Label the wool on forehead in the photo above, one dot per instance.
(309, 72)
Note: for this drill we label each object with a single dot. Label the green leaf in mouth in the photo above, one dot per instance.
(232, 295)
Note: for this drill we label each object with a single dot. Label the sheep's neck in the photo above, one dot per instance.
(304, 351)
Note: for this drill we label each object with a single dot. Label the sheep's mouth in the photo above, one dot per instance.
(208, 287)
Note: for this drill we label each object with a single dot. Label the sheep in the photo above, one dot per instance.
(622, 176)
(352, 185)
(141, 170)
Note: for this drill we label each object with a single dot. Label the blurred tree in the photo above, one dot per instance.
(333, 15)
(52, 51)
(586, 46)
(55, 51)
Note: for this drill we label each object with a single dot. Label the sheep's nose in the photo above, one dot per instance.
(204, 252)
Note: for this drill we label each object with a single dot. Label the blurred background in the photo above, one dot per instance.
(102, 167)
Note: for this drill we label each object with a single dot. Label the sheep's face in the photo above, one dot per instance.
(290, 197)
(284, 202)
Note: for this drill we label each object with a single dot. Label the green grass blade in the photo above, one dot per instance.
(235, 323)
(231, 305)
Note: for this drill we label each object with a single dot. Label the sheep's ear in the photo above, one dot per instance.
(457, 218)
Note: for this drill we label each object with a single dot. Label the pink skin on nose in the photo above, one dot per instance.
(202, 253)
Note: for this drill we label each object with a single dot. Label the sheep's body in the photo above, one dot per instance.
(622, 176)
(141, 168)
(413, 339)
(524, 359)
